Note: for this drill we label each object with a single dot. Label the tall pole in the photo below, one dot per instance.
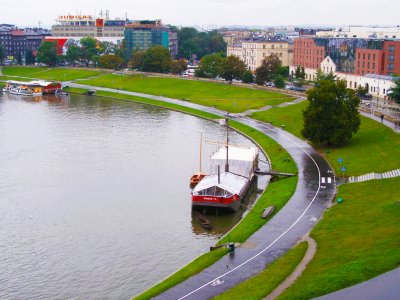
(227, 141)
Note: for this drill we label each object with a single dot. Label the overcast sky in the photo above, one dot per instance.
(212, 12)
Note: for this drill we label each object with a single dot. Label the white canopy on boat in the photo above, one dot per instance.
(229, 184)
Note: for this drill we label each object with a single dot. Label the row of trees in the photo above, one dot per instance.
(156, 59)
(89, 50)
(233, 68)
(192, 42)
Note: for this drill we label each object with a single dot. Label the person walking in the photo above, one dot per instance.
(382, 116)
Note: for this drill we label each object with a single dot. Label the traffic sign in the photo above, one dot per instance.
(343, 169)
(340, 160)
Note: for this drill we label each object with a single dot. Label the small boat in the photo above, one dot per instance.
(61, 93)
(202, 220)
(197, 177)
(21, 91)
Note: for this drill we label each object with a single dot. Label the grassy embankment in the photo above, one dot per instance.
(374, 148)
(277, 193)
(264, 283)
(57, 74)
(358, 239)
(220, 95)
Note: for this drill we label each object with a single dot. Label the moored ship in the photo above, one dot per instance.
(227, 189)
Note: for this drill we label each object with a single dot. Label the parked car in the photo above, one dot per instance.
(367, 97)
(295, 88)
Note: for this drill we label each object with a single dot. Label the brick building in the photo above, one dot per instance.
(350, 55)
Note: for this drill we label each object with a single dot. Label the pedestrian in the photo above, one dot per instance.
(382, 116)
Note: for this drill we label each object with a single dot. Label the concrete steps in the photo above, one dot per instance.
(372, 176)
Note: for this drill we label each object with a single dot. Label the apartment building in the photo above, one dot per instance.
(253, 52)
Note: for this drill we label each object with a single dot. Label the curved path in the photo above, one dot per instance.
(315, 190)
(308, 256)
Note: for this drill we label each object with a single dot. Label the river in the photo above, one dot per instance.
(94, 196)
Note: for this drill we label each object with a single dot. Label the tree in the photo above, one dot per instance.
(192, 42)
(233, 68)
(89, 49)
(156, 59)
(284, 71)
(324, 76)
(269, 68)
(210, 66)
(178, 66)
(73, 54)
(110, 61)
(300, 73)
(248, 77)
(19, 58)
(29, 57)
(279, 81)
(394, 93)
(136, 61)
(361, 91)
(47, 53)
(331, 116)
(2, 54)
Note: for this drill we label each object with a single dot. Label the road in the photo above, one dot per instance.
(315, 190)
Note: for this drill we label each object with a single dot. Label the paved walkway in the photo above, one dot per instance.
(284, 104)
(383, 287)
(292, 222)
(308, 256)
(384, 122)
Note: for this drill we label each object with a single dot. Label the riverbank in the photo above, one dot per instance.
(277, 193)
(358, 238)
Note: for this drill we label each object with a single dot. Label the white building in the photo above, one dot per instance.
(378, 85)
(363, 32)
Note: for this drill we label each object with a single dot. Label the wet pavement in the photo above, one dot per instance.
(275, 238)
(385, 286)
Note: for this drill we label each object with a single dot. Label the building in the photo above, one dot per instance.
(141, 35)
(16, 42)
(354, 56)
(359, 62)
(102, 28)
(362, 32)
(253, 52)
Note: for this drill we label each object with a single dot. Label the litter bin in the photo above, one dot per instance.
(231, 247)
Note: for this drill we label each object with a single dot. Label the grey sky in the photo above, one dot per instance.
(212, 12)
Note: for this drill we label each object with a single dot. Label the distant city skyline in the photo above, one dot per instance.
(214, 13)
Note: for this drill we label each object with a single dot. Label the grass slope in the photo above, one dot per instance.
(357, 240)
(57, 74)
(264, 283)
(374, 148)
(220, 95)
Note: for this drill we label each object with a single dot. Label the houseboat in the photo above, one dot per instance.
(230, 176)
(31, 88)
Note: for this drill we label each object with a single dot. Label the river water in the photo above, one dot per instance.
(94, 196)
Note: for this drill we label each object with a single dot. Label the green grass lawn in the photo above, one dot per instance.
(264, 283)
(357, 240)
(57, 74)
(374, 148)
(221, 95)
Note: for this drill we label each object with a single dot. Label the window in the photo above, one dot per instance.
(374, 56)
(391, 48)
(363, 55)
(391, 58)
(390, 67)
(369, 56)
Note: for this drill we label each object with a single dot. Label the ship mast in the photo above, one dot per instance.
(227, 142)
